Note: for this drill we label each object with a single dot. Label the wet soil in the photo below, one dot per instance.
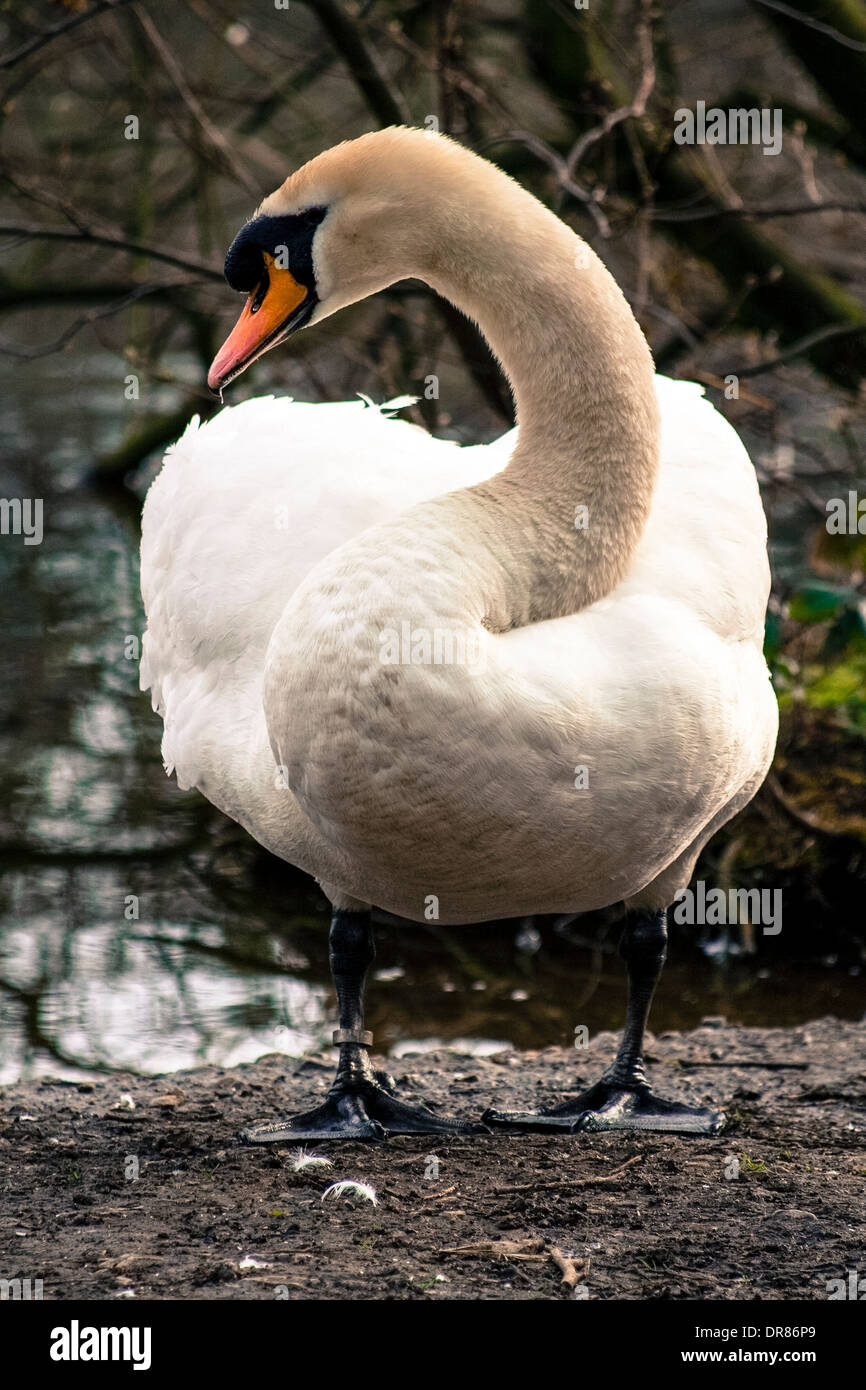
(137, 1188)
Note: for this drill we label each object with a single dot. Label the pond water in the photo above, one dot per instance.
(143, 931)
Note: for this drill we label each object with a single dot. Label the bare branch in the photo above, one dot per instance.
(664, 315)
(91, 316)
(116, 242)
(48, 35)
(37, 193)
(713, 325)
(557, 165)
(803, 345)
(636, 108)
(214, 137)
(782, 210)
(387, 105)
(811, 23)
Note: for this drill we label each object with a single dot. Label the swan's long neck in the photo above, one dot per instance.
(562, 522)
(497, 555)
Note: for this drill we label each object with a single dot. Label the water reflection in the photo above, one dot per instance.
(142, 931)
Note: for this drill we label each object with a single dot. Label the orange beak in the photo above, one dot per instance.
(270, 313)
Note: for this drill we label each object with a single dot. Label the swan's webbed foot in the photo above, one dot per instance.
(623, 1098)
(361, 1109)
(361, 1104)
(608, 1105)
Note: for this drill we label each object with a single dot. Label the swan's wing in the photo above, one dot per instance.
(243, 508)
(661, 685)
(700, 574)
(705, 544)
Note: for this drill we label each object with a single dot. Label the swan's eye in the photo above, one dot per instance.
(262, 290)
(288, 240)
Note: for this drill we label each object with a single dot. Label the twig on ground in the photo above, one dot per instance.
(734, 1062)
(570, 1272)
(530, 1248)
(574, 1182)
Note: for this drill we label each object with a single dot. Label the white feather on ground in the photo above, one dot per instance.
(349, 1188)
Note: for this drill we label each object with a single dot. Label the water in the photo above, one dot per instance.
(142, 931)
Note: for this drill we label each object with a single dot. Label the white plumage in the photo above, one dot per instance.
(659, 689)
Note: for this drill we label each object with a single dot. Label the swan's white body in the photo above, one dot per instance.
(274, 540)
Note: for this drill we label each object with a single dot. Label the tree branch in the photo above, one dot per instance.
(213, 137)
(558, 167)
(48, 35)
(803, 345)
(92, 315)
(703, 214)
(385, 104)
(810, 23)
(115, 241)
(636, 107)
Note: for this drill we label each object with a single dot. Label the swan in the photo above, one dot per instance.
(461, 683)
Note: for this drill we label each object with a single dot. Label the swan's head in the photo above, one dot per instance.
(349, 223)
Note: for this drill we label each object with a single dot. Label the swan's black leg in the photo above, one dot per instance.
(360, 1103)
(623, 1099)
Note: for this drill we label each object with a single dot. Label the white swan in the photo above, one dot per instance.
(461, 682)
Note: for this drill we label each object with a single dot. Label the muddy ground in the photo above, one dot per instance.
(507, 1217)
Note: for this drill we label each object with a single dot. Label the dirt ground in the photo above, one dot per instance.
(498, 1217)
